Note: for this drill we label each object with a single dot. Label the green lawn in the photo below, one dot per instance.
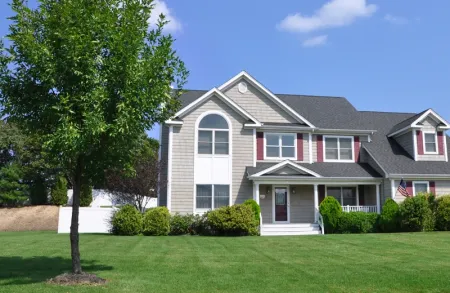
(333, 263)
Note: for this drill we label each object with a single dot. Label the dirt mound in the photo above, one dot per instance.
(34, 218)
(77, 279)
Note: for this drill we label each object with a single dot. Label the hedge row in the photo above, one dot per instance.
(420, 213)
(237, 220)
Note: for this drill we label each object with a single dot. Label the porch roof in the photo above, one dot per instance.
(332, 170)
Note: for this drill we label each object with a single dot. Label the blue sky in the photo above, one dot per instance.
(381, 55)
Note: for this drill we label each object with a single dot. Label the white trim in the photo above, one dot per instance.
(280, 146)
(420, 182)
(159, 159)
(425, 142)
(338, 148)
(321, 181)
(445, 146)
(229, 156)
(220, 95)
(343, 131)
(393, 189)
(265, 91)
(414, 135)
(421, 176)
(174, 122)
(288, 204)
(256, 192)
(316, 203)
(310, 148)
(254, 147)
(427, 113)
(202, 211)
(169, 170)
(378, 198)
(281, 165)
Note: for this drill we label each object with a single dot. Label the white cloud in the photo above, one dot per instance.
(315, 41)
(160, 7)
(335, 13)
(395, 19)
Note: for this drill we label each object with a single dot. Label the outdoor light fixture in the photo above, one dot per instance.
(262, 196)
(268, 189)
(293, 190)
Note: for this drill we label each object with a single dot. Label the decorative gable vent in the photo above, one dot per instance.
(242, 87)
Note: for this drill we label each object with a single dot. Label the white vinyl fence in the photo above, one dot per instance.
(92, 220)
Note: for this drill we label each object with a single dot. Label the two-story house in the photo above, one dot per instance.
(241, 141)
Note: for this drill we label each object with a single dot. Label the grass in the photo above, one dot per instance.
(333, 263)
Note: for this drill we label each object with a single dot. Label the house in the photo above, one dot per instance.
(241, 141)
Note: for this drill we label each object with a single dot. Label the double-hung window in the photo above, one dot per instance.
(421, 187)
(344, 195)
(338, 148)
(212, 196)
(213, 135)
(430, 139)
(280, 146)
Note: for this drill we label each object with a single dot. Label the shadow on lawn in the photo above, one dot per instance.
(16, 270)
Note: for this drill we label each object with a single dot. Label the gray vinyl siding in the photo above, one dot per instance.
(258, 104)
(183, 151)
(305, 147)
(406, 140)
(430, 125)
(314, 147)
(164, 158)
(302, 204)
(442, 188)
(266, 204)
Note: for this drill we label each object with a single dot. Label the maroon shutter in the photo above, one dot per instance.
(433, 187)
(299, 146)
(321, 193)
(441, 138)
(319, 148)
(357, 147)
(260, 146)
(409, 188)
(419, 143)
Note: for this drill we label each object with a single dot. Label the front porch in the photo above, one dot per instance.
(291, 208)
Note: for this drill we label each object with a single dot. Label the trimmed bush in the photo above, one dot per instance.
(181, 224)
(443, 213)
(416, 215)
(156, 222)
(255, 208)
(58, 194)
(331, 210)
(389, 221)
(85, 195)
(236, 220)
(127, 221)
(200, 225)
(357, 222)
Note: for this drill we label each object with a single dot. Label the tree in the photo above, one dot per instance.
(13, 191)
(139, 187)
(89, 77)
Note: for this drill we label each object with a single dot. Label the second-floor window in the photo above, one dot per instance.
(213, 135)
(338, 148)
(430, 139)
(280, 145)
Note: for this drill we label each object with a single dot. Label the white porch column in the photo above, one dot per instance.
(316, 202)
(378, 198)
(256, 192)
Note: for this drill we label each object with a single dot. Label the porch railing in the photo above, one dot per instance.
(320, 221)
(366, 209)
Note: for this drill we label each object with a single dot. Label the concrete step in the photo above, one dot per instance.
(290, 229)
(284, 233)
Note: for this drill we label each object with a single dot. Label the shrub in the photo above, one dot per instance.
(331, 210)
(200, 225)
(416, 215)
(255, 208)
(85, 195)
(156, 222)
(389, 219)
(126, 221)
(357, 222)
(181, 224)
(237, 220)
(443, 213)
(58, 193)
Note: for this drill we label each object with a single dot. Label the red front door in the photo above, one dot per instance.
(281, 204)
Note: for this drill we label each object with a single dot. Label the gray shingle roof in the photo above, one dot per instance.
(406, 122)
(344, 170)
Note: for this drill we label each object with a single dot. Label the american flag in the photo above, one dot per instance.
(402, 188)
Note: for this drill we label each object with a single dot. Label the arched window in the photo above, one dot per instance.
(213, 135)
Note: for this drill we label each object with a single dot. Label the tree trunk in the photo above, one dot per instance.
(74, 236)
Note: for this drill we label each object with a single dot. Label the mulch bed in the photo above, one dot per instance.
(77, 279)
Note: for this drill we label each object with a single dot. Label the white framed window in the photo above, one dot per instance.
(212, 196)
(421, 187)
(430, 142)
(280, 146)
(338, 148)
(346, 196)
(213, 136)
